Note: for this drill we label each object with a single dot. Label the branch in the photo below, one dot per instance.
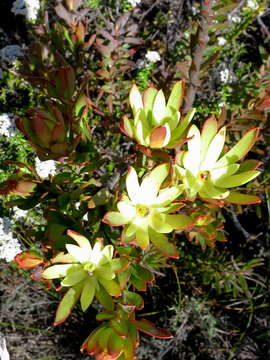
(197, 53)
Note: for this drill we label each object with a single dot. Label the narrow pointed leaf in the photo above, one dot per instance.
(133, 299)
(149, 328)
(177, 94)
(214, 150)
(159, 108)
(115, 218)
(153, 181)
(240, 149)
(74, 277)
(242, 199)
(111, 286)
(135, 99)
(104, 298)
(56, 271)
(238, 179)
(81, 240)
(88, 292)
(179, 222)
(132, 185)
(163, 245)
(67, 303)
(209, 131)
(126, 127)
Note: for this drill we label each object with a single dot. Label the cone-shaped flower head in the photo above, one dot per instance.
(205, 171)
(145, 211)
(84, 269)
(157, 124)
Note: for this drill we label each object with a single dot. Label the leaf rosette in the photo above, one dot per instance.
(205, 170)
(88, 272)
(157, 124)
(146, 211)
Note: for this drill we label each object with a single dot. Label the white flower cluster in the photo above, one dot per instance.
(27, 8)
(221, 41)
(234, 18)
(134, 2)
(226, 76)
(19, 213)
(9, 245)
(152, 56)
(10, 53)
(45, 168)
(7, 125)
(252, 4)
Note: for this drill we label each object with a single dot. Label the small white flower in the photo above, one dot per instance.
(234, 19)
(134, 2)
(7, 125)
(19, 213)
(252, 4)
(152, 56)
(45, 168)
(27, 8)
(9, 245)
(226, 76)
(221, 41)
(10, 53)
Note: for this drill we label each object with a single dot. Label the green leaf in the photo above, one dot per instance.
(149, 328)
(141, 272)
(135, 100)
(105, 272)
(237, 180)
(177, 95)
(115, 218)
(148, 100)
(152, 182)
(242, 199)
(119, 264)
(163, 245)
(104, 298)
(179, 222)
(240, 149)
(133, 299)
(56, 271)
(119, 326)
(178, 132)
(138, 283)
(100, 198)
(209, 131)
(67, 303)
(115, 346)
(88, 292)
(111, 286)
(104, 316)
(126, 127)
(74, 276)
(81, 240)
(159, 108)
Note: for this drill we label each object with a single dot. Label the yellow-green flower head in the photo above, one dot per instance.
(204, 170)
(84, 269)
(145, 211)
(157, 124)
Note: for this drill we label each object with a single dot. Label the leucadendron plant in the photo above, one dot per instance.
(87, 271)
(177, 195)
(157, 124)
(206, 170)
(146, 211)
